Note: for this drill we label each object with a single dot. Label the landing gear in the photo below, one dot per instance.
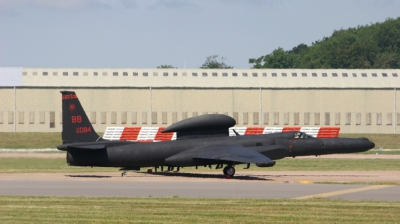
(124, 169)
(171, 168)
(229, 171)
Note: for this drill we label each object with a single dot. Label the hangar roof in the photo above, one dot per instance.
(210, 78)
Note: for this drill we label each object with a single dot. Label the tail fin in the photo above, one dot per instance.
(76, 125)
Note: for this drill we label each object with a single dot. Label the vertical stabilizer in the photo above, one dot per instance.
(76, 125)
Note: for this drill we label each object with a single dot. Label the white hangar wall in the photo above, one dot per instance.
(355, 111)
(370, 105)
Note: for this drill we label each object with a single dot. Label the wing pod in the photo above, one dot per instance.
(265, 164)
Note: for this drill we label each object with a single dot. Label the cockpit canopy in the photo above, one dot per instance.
(301, 135)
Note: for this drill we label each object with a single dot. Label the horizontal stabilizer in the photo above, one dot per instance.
(81, 147)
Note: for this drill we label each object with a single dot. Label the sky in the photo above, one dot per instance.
(181, 33)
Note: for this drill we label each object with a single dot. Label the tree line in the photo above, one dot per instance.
(364, 47)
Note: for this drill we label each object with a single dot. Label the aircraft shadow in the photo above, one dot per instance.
(177, 174)
(207, 176)
(89, 176)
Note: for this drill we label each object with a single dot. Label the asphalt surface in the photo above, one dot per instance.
(113, 186)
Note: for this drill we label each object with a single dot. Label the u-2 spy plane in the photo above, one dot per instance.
(201, 141)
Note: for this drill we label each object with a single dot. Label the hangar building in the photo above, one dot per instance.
(358, 101)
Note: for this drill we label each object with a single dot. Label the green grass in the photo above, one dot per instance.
(386, 141)
(24, 140)
(30, 140)
(40, 140)
(59, 165)
(27, 209)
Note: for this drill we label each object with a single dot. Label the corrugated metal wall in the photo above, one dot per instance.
(354, 110)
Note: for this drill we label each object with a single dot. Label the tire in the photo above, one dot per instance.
(229, 170)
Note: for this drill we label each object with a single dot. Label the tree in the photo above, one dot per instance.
(366, 47)
(166, 66)
(277, 59)
(257, 62)
(214, 62)
(299, 49)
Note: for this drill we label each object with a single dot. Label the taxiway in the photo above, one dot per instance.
(252, 185)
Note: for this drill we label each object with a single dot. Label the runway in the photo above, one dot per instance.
(186, 185)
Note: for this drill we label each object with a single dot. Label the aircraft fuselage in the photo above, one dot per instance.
(138, 154)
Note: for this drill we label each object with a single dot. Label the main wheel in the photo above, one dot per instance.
(229, 170)
(123, 174)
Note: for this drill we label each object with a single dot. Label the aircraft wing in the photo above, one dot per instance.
(223, 153)
(274, 151)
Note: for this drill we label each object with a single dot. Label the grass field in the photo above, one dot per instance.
(22, 209)
(40, 140)
(33, 140)
(46, 165)
(386, 141)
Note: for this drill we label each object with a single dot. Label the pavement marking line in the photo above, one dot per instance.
(334, 193)
(305, 182)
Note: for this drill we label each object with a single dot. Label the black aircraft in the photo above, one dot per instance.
(201, 141)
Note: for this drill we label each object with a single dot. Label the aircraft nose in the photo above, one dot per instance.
(348, 145)
(361, 145)
(369, 144)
